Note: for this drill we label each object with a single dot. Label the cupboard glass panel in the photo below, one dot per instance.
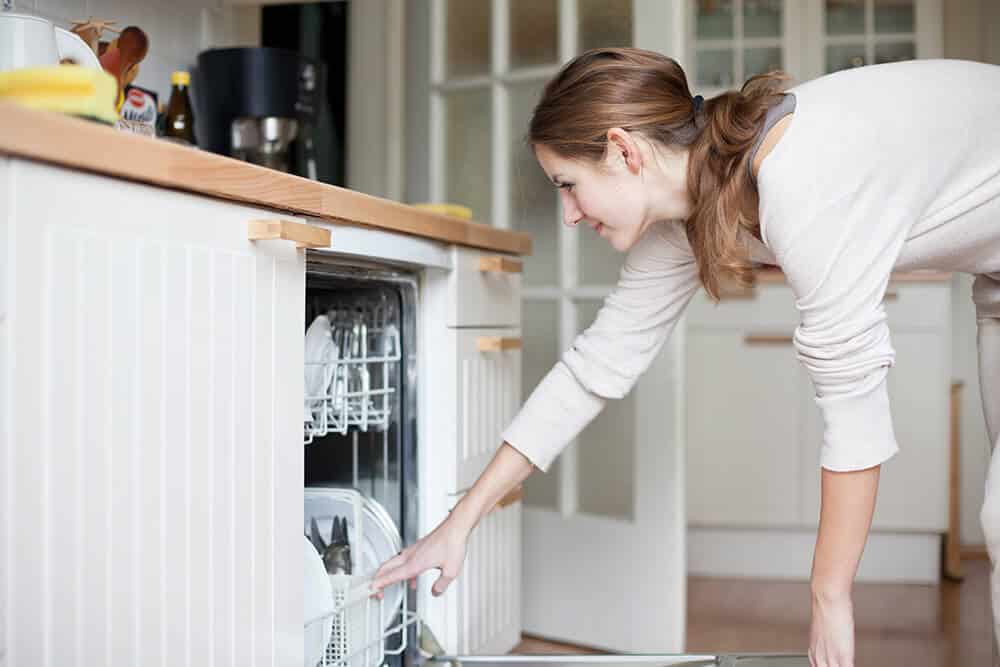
(762, 18)
(469, 156)
(894, 16)
(468, 38)
(604, 23)
(758, 61)
(845, 17)
(534, 33)
(534, 204)
(844, 56)
(888, 53)
(714, 68)
(714, 19)
(606, 450)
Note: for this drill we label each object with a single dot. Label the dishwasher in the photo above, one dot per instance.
(360, 482)
(360, 474)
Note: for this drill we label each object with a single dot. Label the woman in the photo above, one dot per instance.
(838, 181)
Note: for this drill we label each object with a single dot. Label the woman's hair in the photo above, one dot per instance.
(647, 93)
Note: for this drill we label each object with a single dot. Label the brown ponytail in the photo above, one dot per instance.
(647, 92)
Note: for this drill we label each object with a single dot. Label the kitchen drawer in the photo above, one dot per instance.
(489, 393)
(771, 307)
(484, 289)
(768, 305)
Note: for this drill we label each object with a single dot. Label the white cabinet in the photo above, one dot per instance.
(754, 434)
(744, 428)
(484, 289)
(152, 446)
(489, 381)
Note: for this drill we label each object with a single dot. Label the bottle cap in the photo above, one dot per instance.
(180, 78)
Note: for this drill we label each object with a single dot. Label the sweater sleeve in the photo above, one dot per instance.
(605, 361)
(838, 251)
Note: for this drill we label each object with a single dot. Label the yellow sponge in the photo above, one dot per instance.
(71, 89)
(454, 210)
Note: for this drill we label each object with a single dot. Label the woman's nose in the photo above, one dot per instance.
(571, 212)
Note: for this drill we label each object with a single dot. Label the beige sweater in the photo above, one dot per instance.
(885, 167)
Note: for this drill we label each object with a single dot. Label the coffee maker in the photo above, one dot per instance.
(260, 105)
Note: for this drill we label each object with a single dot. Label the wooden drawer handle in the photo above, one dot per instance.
(515, 495)
(500, 264)
(891, 296)
(767, 339)
(305, 236)
(497, 343)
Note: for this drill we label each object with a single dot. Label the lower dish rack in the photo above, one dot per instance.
(354, 626)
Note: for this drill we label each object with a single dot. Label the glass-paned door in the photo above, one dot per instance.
(732, 40)
(863, 32)
(490, 61)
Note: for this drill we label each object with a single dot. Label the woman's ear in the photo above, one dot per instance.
(624, 144)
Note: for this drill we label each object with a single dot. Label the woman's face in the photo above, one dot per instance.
(624, 193)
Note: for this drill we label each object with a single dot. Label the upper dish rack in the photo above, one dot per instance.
(352, 361)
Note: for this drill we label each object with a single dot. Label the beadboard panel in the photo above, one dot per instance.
(152, 462)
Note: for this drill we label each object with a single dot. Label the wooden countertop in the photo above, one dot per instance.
(89, 146)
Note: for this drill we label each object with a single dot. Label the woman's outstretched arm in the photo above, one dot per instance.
(848, 502)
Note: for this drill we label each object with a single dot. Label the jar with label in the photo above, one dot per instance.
(179, 120)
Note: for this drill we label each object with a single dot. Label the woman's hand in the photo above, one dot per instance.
(444, 548)
(831, 634)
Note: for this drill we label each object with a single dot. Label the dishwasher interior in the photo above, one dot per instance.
(360, 482)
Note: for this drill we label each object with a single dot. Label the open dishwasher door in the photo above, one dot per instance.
(626, 660)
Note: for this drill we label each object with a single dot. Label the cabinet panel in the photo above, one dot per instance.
(155, 430)
(489, 393)
(484, 295)
(488, 591)
(742, 430)
(913, 492)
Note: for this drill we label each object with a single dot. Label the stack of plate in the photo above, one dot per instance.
(380, 538)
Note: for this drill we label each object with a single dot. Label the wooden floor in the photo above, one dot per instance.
(896, 625)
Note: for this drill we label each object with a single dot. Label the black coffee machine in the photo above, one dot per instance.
(260, 105)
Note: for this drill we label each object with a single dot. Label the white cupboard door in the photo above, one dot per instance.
(489, 382)
(484, 602)
(151, 448)
(743, 395)
(913, 485)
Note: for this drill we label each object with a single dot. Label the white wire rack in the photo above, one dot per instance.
(363, 630)
(357, 636)
(351, 386)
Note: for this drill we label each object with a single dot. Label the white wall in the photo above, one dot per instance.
(177, 29)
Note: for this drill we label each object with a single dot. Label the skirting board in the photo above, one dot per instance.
(787, 554)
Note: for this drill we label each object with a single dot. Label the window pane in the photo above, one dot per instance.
(606, 453)
(467, 147)
(468, 39)
(889, 53)
(762, 18)
(758, 61)
(604, 23)
(713, 19)
(894, 16)
(540, 335)
(844, 57)
(534, 32)
(845, 17)
(714, 68)
(534, 201)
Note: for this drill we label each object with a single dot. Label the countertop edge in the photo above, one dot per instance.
(89, 146)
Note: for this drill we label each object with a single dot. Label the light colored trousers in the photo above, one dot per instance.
(986, 296)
